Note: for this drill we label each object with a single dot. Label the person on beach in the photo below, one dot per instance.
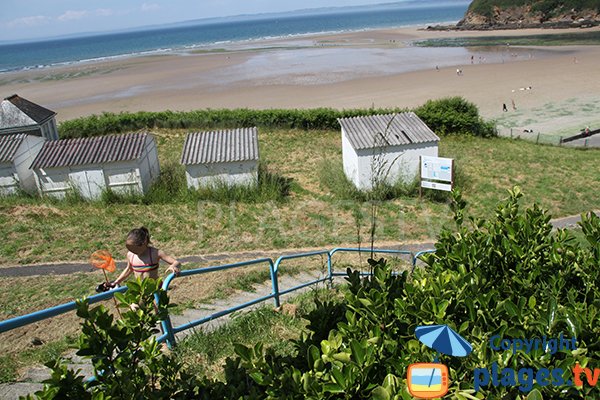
(143, 259)
(504, 107)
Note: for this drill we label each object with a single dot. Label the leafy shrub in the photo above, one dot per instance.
(454, 116)
(509, 276)
(128, 361)
(446, 115)
(110, 123)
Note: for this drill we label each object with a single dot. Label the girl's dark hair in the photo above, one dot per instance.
(139, 236)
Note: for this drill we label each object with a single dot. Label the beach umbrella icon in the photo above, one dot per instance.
(443, 339)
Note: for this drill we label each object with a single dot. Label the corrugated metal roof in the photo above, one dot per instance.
(9, 145)
(220, 146)
(17, 111)
(92, 150)
(386, 130)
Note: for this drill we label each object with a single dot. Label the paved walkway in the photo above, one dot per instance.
(30, 381)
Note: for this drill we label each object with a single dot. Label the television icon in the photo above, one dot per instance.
(427, 380)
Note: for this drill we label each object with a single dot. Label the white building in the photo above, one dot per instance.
(18, 115)
(385, 148)
(228, 157)
(16, 154)
(122, 163)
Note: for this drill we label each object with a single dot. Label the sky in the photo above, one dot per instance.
(34, 19)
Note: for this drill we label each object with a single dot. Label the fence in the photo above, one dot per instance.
(542, 138)
(169, 331)
(529, 135)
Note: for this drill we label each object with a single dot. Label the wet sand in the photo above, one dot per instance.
(361, 69)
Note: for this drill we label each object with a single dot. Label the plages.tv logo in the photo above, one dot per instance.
(430, 380)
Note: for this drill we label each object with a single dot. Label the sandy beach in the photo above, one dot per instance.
(362, 69)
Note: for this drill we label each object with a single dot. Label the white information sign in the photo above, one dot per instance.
(434, 185)
(436, 168)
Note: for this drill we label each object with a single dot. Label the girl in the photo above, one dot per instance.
(143, 259)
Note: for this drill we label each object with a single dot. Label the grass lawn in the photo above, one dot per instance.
(563, 180)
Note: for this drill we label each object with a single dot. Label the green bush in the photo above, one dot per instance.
(128, 361)
(449, 116)
(110, 123)
(454, 116)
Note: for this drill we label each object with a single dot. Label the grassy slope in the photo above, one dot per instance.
(560, 179)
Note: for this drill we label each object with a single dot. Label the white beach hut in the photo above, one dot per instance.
(125, 163)
(17, 151)
(19, 115)
(227, 157)
(385, 148)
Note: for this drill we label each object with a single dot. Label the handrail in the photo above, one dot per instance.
(169, 331)
(419, 254)
(36, 316)
(290, 257)
(361, 250)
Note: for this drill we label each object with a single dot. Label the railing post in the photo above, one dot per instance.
(166, 324)
(329, 268)
(274, 281)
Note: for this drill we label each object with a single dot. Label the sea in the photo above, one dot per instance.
(224, 33)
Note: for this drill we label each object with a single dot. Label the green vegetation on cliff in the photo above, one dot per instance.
(548, 8)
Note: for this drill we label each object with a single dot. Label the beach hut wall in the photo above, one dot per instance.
(126, 164)
(17, 151)
(385, 148)
(228, 157)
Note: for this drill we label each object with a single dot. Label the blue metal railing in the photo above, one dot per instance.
(354, 250)
(290, 257)
(416, 257)
(169, 331)
(23, 320)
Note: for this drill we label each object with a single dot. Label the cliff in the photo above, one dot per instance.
(511, 14)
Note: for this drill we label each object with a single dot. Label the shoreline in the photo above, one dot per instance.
(358, 69)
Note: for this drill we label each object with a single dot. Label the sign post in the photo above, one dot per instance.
(436, 173)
